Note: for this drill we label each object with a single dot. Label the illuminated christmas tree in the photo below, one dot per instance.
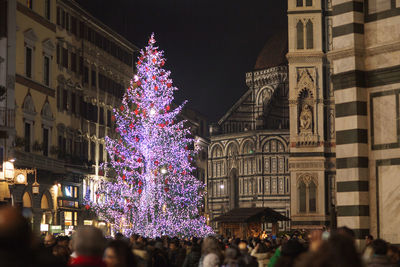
(150, 189)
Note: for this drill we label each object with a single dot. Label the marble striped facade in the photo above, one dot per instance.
(366, 81)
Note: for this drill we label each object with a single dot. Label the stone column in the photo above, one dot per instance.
(351, 116)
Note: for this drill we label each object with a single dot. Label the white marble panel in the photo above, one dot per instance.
(389, 203)
(347, 18)
(375, 6)
(351, 122)
(384, 117)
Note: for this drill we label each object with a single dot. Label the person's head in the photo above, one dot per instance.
(63, 241)
(379, 246)
(61, 252)
(174, 244)
(393, 254)
(88, 241)
(119, 236)
(243, 247)
(346, 231)
(49, 240)
(289, 253)
(231, 255)
(210, 245)
(338, 250)
(368, 239)
(15, 232)
(118, 254)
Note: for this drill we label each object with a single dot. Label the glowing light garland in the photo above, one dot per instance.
(150, 189)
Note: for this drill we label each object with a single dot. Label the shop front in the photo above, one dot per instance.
(69, 207)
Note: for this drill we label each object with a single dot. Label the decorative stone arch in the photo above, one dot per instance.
(233, 143)
(28, 106)
(307, 178)
(274, 138)
(46, 206)
(246, 143)
(264, 93)
(216, 151)
(46, 111)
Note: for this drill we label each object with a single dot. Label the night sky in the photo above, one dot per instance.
(209, 44)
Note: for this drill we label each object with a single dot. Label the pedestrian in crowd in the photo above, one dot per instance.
(338, 251)
(368, 250)
(63, 240)
(118, 254)
(290, 252)
(394, 255)
(88, 244)
(193, 257)
(18, 246)
(176, 255)
(232, 255)
(62, 253)
(262, 253)
(15, 238)
(245, 258)
(49, 242)
(139, 250)
(211, 255)
(157, 255)
(379, 258)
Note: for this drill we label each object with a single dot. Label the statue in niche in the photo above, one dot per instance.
(232, 158)
(305, 118)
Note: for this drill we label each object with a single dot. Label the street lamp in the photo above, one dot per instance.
(35, 185)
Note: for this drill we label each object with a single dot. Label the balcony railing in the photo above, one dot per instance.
(31, 160)
(7, 117)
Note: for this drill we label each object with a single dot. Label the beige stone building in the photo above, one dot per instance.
(66, 72)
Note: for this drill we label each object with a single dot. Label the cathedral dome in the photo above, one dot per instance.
(274, 52)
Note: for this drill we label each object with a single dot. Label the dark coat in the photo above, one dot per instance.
(192, 259)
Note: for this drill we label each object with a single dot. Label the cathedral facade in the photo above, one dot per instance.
(316, 137)
(249, 146)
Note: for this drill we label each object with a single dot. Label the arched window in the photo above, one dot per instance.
(302, 197)
(248, 148)
(44, 205)
(307, 194)
(26, 200)
(300, 35)
(310, 35)
(312, 197)
(217, 152)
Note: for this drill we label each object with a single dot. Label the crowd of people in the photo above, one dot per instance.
(89, 248)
